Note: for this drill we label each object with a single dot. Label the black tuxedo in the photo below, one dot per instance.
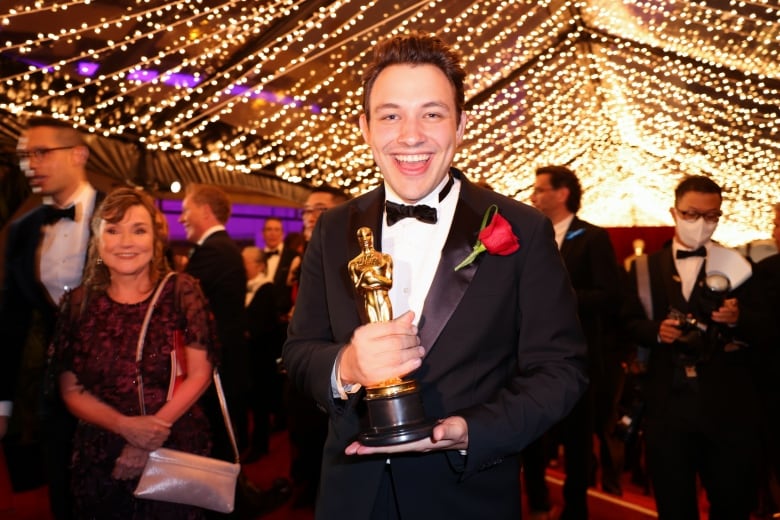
(262, 324)
(283, 267)
(26, 310)
(504, 351)
(596, 277)
(592, 266)
(700, 421)
(218, 265)
(765, 299)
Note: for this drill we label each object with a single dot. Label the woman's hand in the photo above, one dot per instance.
(147, 432)
(130, 463)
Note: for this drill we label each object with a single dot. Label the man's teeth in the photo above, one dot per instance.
(413, 158)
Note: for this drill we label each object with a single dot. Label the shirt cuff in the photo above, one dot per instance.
(6, 407)
(340, 390)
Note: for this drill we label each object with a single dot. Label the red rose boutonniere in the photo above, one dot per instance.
(496, 238)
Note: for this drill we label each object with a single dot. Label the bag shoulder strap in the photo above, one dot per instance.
(145, 325)
(215, 373)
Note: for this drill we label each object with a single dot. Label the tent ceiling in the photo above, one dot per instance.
(265, 95)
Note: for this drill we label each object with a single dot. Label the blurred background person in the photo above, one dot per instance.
(766, 298)
(261, 323)
(307, 424)
(217, 264)
(279, 258)
(595, 275)
(703, 409)
(45, 255)
(95, 361)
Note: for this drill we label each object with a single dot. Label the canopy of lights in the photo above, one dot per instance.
(631, 94)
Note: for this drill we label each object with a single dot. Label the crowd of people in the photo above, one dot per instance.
(518, 323)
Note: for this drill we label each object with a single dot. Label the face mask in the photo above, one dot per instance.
(696, 233)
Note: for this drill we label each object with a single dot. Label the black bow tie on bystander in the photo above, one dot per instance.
(701, 251)
(52, 214)
(271, 252)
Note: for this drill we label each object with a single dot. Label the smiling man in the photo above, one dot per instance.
(495, 346)
(217, 263)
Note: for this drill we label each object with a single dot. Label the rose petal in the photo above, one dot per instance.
(498, 237)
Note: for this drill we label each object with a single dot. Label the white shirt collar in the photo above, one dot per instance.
(561, 228)
(210, 231)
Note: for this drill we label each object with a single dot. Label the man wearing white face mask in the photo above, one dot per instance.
(700, 396)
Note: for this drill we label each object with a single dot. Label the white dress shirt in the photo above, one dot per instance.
(64, 244)
(253, 285)
(561, 228)
(413, 266)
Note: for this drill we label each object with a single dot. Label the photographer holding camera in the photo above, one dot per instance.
(701, 402)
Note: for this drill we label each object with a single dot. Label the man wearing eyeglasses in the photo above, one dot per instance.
(592, 266)
(700, 396)
(45, 256)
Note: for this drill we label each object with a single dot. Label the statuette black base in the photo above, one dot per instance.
(395, 415)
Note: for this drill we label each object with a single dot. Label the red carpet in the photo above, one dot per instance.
(634, 505)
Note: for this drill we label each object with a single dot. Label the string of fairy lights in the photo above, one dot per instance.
(632, 94)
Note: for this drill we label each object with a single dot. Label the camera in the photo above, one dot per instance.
(691, 342)
(699, 336)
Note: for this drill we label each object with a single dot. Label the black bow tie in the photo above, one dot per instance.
(52, 214)
(701, 251)
(421, 212)
(271, 253)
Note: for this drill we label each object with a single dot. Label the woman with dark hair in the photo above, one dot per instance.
(94, 361)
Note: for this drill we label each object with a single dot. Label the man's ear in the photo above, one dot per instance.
(363, 124)
(563, 192)
(81, 154)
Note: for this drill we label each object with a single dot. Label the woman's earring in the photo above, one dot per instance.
(99, 261)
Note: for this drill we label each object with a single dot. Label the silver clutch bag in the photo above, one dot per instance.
(185, 478)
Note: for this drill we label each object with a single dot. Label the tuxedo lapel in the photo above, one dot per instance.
(573, 239)
(449, 285)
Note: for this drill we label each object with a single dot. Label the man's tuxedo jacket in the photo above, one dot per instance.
(218, 265)
(592, 266)
(23, 294)
(723, 400)
(504, 350)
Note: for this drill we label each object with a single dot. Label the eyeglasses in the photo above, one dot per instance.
(316, 210)
(39, 153)
(693, 216)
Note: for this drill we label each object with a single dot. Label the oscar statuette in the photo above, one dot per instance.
(395, 410)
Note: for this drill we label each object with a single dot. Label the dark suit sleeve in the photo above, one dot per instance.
(15, 314)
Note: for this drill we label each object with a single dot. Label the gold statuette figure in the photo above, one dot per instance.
(394, 406)
(372, 276)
